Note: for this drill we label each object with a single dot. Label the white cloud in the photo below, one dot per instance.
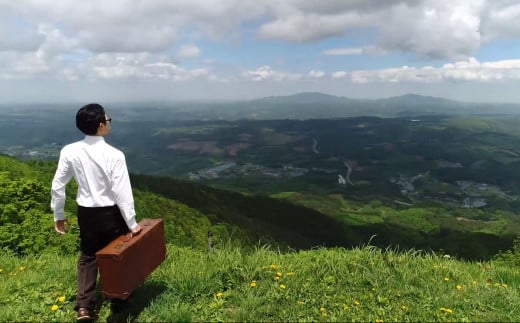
(141, 66)
(14, 65)
(466, 70)
(55, 42)
(308, 27)
(397, 75)
(265, 73)
(500, 19)
(316, 74)
(188, 51)
(428, 28)
(344, 51)
(437, 29)
(129, 26)
(18, 36)
(473, 70)
(339, 74)
(118, 40)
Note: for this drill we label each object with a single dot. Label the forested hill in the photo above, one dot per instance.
(192, 212)
(300, 227)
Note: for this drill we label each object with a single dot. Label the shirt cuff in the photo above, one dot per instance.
(59, 216)
(131, 223)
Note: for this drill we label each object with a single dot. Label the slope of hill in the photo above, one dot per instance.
(191, 211)
(299, 226)
(236, 282)
(26, 222)
(231, 285)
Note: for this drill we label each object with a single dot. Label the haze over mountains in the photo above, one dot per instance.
(304, 105)
(315, 105)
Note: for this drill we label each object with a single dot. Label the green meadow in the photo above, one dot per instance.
(230, 284)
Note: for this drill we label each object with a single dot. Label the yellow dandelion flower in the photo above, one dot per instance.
(446, 310)
(282, 286)
(446, 279)
(289, 273)
(379, 321)
(61, 299)
(300, 302)
(356, 303)
(279, 274)
(458, 287)
(253, 283)
(403, 307)
(322, 309)
(276, 278)
(22, 268)
(474, 282)
(54, 307)
(219, 294)
(273, 266)
(1, 270)
(504, 285)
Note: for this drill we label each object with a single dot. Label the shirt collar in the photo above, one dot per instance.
(94, 139)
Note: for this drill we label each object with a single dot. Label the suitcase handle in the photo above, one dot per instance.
(130, 235)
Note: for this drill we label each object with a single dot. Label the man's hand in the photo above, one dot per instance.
(59, 226)
(136, 230)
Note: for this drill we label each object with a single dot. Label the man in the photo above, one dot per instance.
(104, 197)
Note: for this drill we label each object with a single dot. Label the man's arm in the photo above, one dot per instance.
(61, 178)
(122, 190)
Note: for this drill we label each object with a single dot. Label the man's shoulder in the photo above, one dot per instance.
(71, 146)
(116, 153)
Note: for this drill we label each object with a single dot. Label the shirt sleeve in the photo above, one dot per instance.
(62, 176)
(122, 190)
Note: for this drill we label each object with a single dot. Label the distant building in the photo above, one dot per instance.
(474, 202)
(219, 168)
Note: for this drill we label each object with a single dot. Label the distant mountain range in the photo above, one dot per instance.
(317, 97)
(319, 105)
(305, 98)
(316, 105)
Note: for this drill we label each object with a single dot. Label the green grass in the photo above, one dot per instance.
(363, 284)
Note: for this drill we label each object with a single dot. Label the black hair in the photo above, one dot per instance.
(89, 117)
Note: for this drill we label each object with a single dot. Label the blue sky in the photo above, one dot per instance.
(132, 50)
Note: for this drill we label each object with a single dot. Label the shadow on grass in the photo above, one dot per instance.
(129, 310)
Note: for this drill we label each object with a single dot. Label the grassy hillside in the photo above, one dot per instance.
(232, 285)
(26, 221)
(305, 221)
(237, 281)
(192, 211)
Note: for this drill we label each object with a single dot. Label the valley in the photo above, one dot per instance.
(407, 178)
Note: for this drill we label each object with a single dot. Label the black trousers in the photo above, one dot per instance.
(98, 226)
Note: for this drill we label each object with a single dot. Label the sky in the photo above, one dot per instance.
(214, 50)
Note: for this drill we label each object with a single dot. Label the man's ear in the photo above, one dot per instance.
(99, 128)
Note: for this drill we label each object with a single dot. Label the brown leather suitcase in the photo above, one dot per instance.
(126, 262)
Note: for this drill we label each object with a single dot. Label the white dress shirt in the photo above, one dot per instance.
(102, 176)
